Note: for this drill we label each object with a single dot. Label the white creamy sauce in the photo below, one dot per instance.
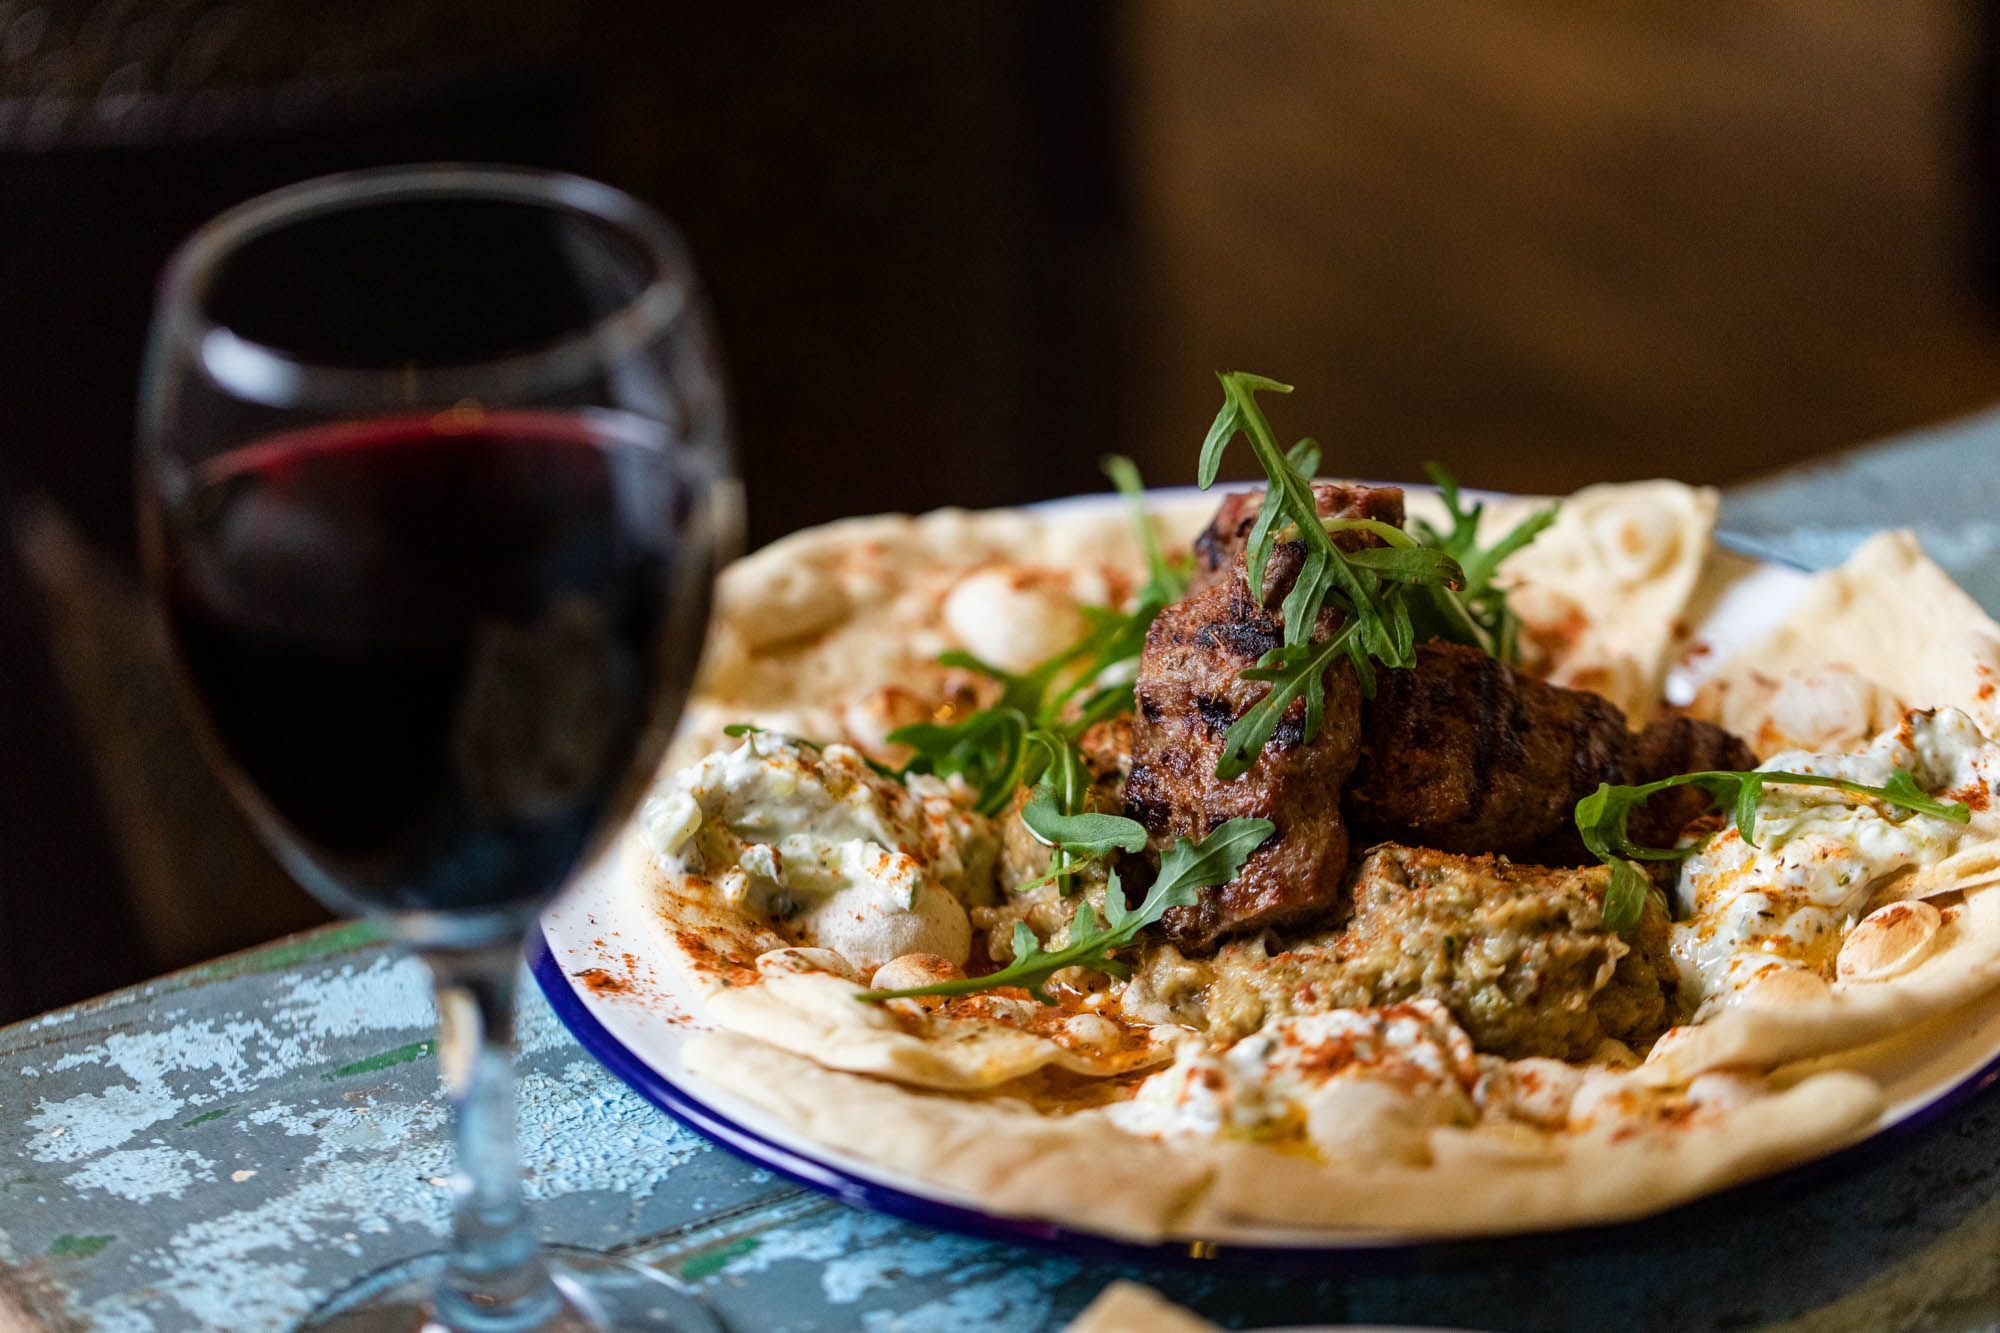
(1785, 904)
(1266, 1085)
(818, 842)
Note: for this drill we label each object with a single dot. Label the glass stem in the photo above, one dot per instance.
(495, 1280)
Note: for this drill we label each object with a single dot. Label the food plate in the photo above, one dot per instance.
(596, 963)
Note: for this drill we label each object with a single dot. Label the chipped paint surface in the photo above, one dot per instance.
(284, 1132)
(865, 1259)
(140, 1174)
(266, 1184)
(222, 1153)
(176, 1156)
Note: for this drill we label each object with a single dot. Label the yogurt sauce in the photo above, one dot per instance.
(1266, 1084)
(829, 850)
(1785, 904)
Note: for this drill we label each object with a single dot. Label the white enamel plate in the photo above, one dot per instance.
(630, 1009)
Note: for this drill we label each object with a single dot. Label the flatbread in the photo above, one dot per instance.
(1889, 617)
(1960, 964)
(713, 946)
(1591, 1179)
(1602, 592)
(1128, 1307)
(1001, 1155)
(968, 1044)
(741, 968)
(995, 1151)
(831, 632)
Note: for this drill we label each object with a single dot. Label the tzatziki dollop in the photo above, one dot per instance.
(1783, 906)
(831, 852)
(1352, 1081)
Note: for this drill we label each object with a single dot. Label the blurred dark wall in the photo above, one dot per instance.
(1558, 243)
(116, 142)
(910, 219)
(913, 221)
(957, 252)
(121, 129)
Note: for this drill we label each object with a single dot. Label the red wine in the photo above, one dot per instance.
(435, 648)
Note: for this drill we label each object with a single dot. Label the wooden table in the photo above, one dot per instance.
(221, 1147)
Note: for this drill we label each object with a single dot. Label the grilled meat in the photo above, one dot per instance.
(1668, 746)
(1219, 547)
(1190, 689)
(1463, 753)
(1518, 953)
(1459, 753)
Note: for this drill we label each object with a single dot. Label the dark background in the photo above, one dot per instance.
(959, 250)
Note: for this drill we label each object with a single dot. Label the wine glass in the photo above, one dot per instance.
(434, 473)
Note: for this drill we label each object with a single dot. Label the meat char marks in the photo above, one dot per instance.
(1219, 547)
(1672, 745)
(1190, 688)
(1459, 753)
(1464, 754)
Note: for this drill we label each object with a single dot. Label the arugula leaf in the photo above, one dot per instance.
(1026, 693)
(1107, 701)
(1300, 609)
(1294, 670)
(1388, 532)
(1625, 896)
(1603, 816)
(1054, 813)
(1165, 581)
(989, 749)
(1416, 564)
(1091, 833)
(1238, 388)
(1289, 494)
(1304, 458)
(1369, 587)
(1029, 735)
(1480, 601)
(1212, 861)
(1111, 640)
(1186, 867)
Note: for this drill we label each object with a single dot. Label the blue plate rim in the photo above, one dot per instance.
(1354, 1259)
(1361, 1259)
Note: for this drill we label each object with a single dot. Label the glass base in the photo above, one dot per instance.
(595, 1292)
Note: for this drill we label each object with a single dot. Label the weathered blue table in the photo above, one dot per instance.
(219, 1148)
